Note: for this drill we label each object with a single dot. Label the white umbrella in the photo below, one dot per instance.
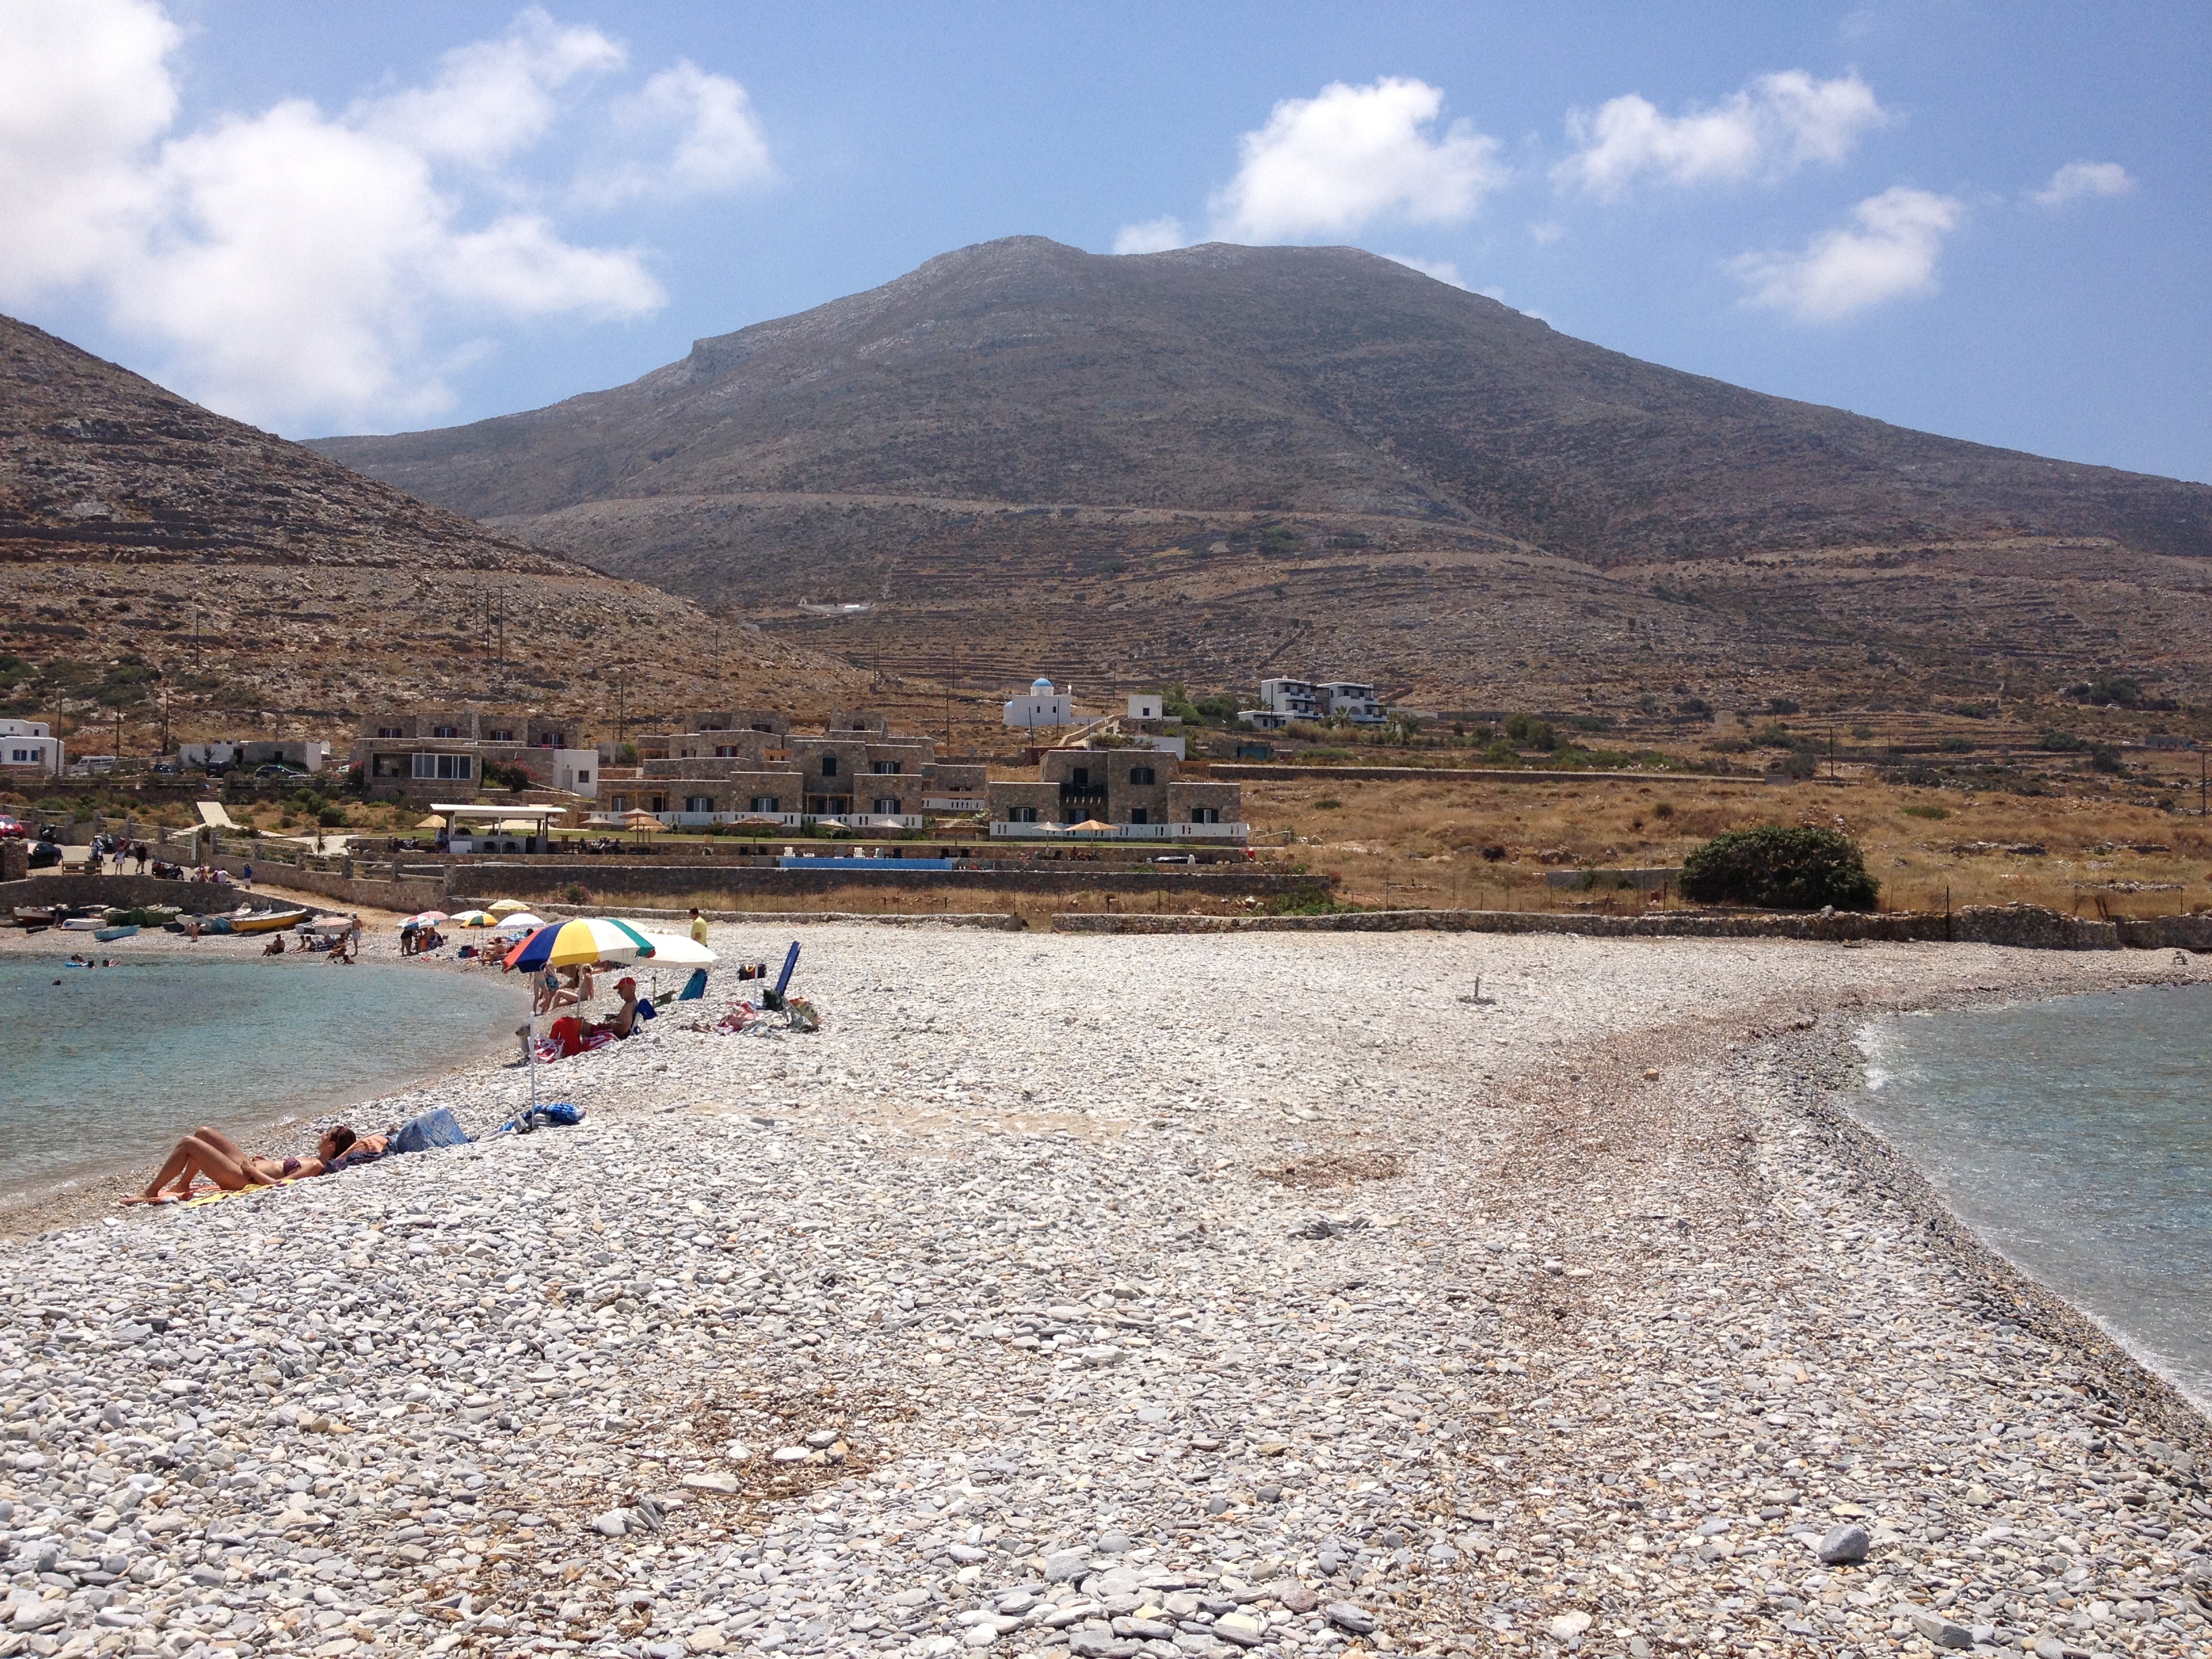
(674, 950)
(521, 919)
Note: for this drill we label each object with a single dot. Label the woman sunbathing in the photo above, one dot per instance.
(210, 1152)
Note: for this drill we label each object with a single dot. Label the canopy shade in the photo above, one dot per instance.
(433, 822)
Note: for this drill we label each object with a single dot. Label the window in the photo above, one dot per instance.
(390, 732)
(447, 732)
(1080, 777)
(887, 805)
(1206, 815)
(725, 751)
(1140, 774)
(388, 766)
(1137, 815)
(887, 768)
(766, 803)
(660, 804)
(501, 734)
(583, 777)
(698, 803)
(829, 766)
(1021, 815)
(445, 767)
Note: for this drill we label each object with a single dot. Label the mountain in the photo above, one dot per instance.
(1210, 462)
(151, 547)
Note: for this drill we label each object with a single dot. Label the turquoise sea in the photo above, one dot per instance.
(103, 1071)
(2076, 1137)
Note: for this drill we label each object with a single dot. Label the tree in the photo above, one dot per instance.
(1778, 868)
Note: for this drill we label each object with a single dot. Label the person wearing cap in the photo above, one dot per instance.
(625, 1019)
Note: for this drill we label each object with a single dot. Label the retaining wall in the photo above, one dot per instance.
(649, 880)
(2024, 926)
(127, 893)
(1270, 772)
(988, 920)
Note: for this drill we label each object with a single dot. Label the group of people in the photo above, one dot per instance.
(416, 937)
(573, 1035)
(210, 1154)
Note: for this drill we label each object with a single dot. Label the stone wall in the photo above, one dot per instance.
(126, 893)
(646, 881)
(1270, 772)
(361, 889)
(2023, 926)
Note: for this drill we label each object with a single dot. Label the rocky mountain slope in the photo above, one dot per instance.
(171, 565)
(1222, 461)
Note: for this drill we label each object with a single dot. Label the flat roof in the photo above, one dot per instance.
(496, 813)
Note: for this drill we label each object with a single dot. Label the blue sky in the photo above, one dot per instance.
(1991, 220)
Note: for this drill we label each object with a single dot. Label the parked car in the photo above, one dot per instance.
(44, 853)
(12, 829)
(1175, 858)
(273, 770)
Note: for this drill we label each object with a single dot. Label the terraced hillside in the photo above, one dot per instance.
(1205, 464)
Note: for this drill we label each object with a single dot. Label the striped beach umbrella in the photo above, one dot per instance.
(572, 943)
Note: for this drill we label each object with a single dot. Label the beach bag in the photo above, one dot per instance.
(438, 1127)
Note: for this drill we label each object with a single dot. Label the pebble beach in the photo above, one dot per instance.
(1292, 1295)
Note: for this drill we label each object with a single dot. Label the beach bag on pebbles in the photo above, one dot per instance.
(439, 1128)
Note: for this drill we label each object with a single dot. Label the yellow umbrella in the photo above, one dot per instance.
(433, 822)
(643, 822)
(507, 907)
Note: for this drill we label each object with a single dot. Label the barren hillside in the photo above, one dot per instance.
(164, 563)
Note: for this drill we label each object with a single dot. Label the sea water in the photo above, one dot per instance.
(2076, 1137)
(104, 1069)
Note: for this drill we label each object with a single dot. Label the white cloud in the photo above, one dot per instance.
(2079, 179)
(84, 91)
(1891, 253)
(299, 267)
(1443, 270)
(1152, 236)
(492, 97)
(1547, 231)
(1773, 126)
(719, 146)
(1328, 165)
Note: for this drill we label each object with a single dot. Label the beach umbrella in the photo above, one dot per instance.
(644, 822)
(572, 944)
(507, 907)
(427, 919)
(521, 922)
(433, 822)
(475, 918)
(674, 950)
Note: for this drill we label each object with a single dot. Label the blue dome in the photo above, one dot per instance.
(1041, 685)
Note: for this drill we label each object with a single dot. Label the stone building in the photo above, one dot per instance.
(1136, 791)
(413, 755)
(854, 772)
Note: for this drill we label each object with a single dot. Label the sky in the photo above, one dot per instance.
(1992, 221)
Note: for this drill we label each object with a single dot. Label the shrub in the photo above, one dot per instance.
(2063, 743)
(330, 817)
(1529, 730)
(2103, 757)
(1306, 902)
(1502, 753)
(1780, 869)
(1957, 746)
(1781, 706)
(1327, 804)
(1695, 708)
(1798, 763)
(1976, 711)
(1934, 812)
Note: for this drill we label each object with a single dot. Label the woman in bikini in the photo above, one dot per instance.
(207, 1151)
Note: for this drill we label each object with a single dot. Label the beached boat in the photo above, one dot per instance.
(267, 922)
(127, 930)
(33, 915)
(84, 924)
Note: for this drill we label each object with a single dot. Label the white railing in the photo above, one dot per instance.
(1123, 832)
(954, 804)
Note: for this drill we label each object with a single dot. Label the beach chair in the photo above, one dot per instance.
(773, 1000)
(694, 987)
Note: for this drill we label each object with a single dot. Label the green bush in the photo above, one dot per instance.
(1534, 733)
(1778, 868)
(2103, 757)
(1934, 812)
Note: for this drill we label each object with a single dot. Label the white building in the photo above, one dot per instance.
(1042, 707)
(1147, 706)
(31, 745)
(1283, 700)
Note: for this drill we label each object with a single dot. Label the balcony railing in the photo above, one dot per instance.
(1124, 832)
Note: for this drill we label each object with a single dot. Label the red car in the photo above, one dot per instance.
(12, 829)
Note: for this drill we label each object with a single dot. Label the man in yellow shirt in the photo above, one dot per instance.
(698, 928)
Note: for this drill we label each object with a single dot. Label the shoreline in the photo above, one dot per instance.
(44, 1205)
(1569, 1304)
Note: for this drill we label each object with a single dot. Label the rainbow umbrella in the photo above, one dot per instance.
(572, 943)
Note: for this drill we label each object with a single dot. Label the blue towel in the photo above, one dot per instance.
(694, 987)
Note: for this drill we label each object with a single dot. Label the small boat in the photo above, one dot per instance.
(105, 934)
(84, 924)
(33, 915)
(267, 922)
